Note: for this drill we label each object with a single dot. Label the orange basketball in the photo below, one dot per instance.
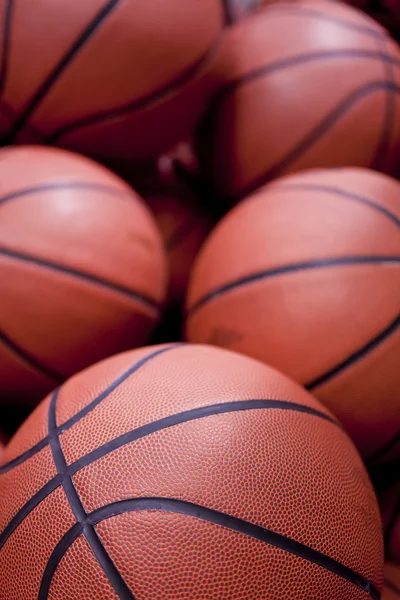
(108, 78)
(310, 84)
(82, 268)
(391, 590)
(184, 472)
(305, 275)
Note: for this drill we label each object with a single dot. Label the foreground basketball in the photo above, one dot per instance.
(111, 78)
(305, 275)
(391, 590)
(82, 268)
(311, 84)
(184, 472)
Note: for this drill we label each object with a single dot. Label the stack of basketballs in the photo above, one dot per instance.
(221, 412)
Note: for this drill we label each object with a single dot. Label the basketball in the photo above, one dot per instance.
(81, 264)
(186, 472)
(305, 275)
(112, 78)
(310, 84)
(391, 590)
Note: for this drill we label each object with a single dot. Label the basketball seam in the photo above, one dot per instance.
(29, 359)
(104, 560)
(8, 13)
(135, 434)
(88, 408)
(338, 192)
(287, 269)
(315, 134)
(188, 416)
(138, 297)
(220, 519)
(141, 103)
(355, 356)
(74, 185)
(384, 140)
(49, 81)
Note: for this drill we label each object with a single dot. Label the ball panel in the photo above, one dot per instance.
(287, 309)
(157, 468)
(49, 521)
(158, 379)
(189, 559)
(79, 576)
(96, 323)
(391, 590)
(34, 473)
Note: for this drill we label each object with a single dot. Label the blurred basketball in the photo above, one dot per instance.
(389, 501)
(310, 84)
(305, 275)
(391, 589)
(107, 78)
(185, 472)
(387, 12)
(82, 268)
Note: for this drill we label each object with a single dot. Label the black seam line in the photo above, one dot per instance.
(192, 415)
(316, 133)
(293, 268)
(32, 503)
(5, 53)
(295, 61)
(238, 525)
(99, 551)
(88, 408)
(311, 187)
(385, 449)
(149, 303)
(142, 103)
(309, 12)
(46, 85)
(357, 355)
(391, 586)
(382, 149)
(29, 359)
(73, 185)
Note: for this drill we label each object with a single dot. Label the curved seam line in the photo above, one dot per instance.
(149, 303)
(89, 407)
(99, 551)
(316, 134)
(247, 528)
(60, 67)
(143, 431)
(336, 192)
(287, 269)
(384, 140)
(141, 103)
(188, 416)
(29, 359)
(356, 356)
(78, 185)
